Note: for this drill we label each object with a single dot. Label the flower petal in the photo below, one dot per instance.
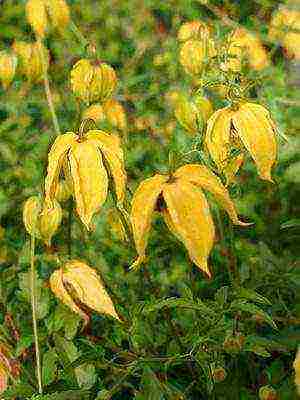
(56, 157)
(201, 176)
(89, 287)
(191, 220)
(256, 130)
(89, 180)
(58, 288)
(217, 137)
(111, 149)
(143, 205)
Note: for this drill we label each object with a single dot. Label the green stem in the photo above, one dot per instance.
(79, 35)
(34, 317)
(47, 87)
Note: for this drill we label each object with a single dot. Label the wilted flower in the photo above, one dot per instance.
(8, 64)
(94, 112)
(243, 126)
(285, 27)
(185, 210)
(42, 223)
(92, 82)
(77, 284)
(115, 114)
(267, 393)
(244, 44)
(30, 62)
(85, 161)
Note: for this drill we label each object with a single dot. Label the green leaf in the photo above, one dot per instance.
(86, 375)
(65, 395)
(241, 305)
(252, 295)
(49, 368)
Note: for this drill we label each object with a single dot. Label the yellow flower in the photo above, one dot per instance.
(115, 114)
(76, 283)
(87, 163)
(185, 210)
(192, 30)
(59, 13)
(30, 63)
(42, 223)
(285, 27)
(245, 126)
(8, 64)
(296, 366)
(93, 82)
(244, 44)
(194, 53)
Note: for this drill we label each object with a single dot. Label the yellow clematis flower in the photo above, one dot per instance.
(87, 163)
(185, 211)
(245, 126)
(76, 283)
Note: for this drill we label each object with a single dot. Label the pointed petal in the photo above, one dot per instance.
(89, 287)
(89, 180)
(143, 205)
(110, 146)
(56, 156)
(57, 287)
(201, 176)
(256, 130)
(217, 139)
(232, 168)
(191, 219)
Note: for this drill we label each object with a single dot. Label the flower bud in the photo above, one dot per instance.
(30, 63)
(31, 211)
(49, 221)
(219, 374)
(204, 106)
(37, 16)
(234, 343)
(115, 114)
(192, 30)
(194, 53)
(94, 112)
(63, 191)
(267, 393)
(92, 82)
(59, 13)
(8, 64)
(186, 113)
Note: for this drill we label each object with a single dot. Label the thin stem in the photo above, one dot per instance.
(84, 42)
(70, 212)
(47, 87)
(34, 318)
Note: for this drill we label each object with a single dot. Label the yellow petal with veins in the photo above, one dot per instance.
(88, 287)
(191, 219)
(217, 139)
(56, 156)
(90, 180)
(256, 130)
(143, 205)
(110, 147)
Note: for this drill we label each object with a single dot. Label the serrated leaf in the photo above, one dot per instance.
(86, 375)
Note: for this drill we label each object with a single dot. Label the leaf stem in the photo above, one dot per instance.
(34, 309)
(47, 87)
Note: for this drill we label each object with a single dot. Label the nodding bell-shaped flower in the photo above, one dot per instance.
(93, 81)
(184, 208)
(78, 285)
(8, 65)
(244, 126)
(87, 161)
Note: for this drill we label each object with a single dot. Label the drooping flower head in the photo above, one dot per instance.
(186, 210)
(244, 126)
(87, 162)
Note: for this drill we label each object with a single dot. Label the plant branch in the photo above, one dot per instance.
(47, 87)
(34, 309)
